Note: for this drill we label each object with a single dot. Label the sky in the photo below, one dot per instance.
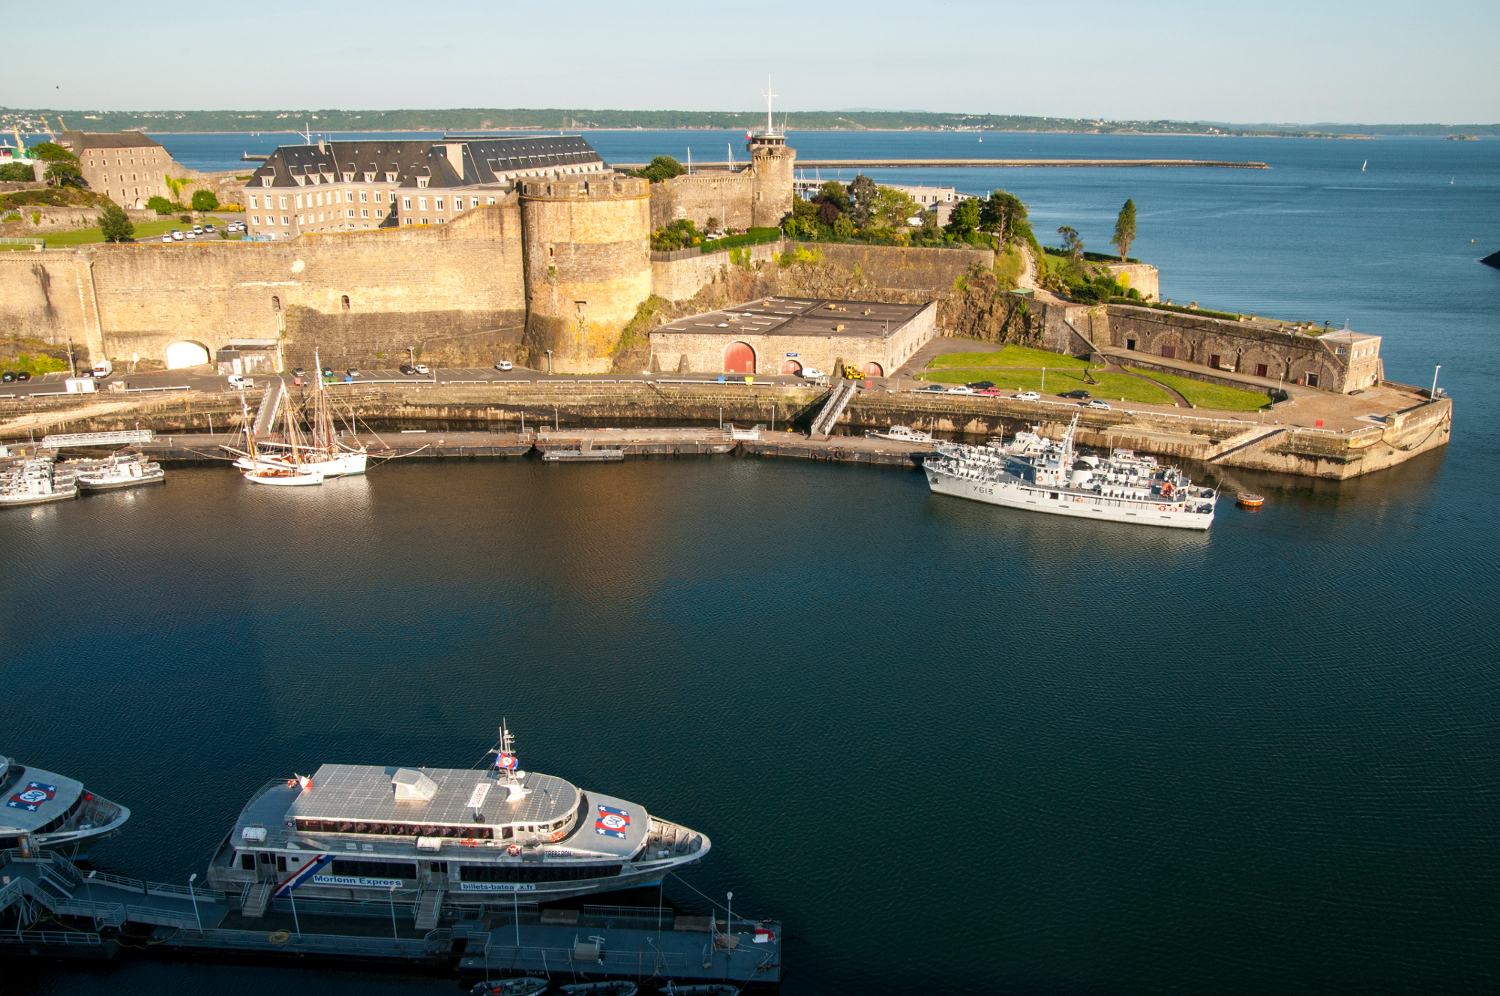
(1271, 61)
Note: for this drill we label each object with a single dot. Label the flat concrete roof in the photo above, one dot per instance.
(801, 316)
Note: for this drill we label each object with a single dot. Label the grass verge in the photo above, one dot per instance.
(1201, 395)
(1010, 356)
(1112, 387)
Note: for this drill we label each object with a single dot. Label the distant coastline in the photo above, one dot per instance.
(31, 121)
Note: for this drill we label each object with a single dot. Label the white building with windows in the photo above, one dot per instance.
(349, 186)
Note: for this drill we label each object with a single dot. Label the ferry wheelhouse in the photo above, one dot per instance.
(452, 836)
(47, 810)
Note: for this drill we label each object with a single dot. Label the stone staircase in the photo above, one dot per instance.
(429, 906)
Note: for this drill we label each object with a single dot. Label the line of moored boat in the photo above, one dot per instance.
(38, 477)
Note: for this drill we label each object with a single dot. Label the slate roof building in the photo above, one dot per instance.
(348, 186)
(128, 167)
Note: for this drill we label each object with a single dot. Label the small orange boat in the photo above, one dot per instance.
(1247, 500)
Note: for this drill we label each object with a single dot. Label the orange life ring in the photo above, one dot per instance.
(513, 850)
(1079, 498)
(1161, 508)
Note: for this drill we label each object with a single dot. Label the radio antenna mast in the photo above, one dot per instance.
(768, 95)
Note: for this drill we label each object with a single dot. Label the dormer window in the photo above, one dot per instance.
(348, 177)
(369, 177)
(301, 180)
(421, 181)
(390, 178)
(265, 181)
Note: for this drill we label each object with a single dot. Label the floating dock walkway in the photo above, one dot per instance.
(61, 910)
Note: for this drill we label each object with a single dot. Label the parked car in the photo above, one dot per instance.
(190, 235)
(982, 385)
(8, 377)
(930, 389)
(298, 372)
(503, 365)
(1026, 396)
(176, 235)
(22, 376)
(407, 369)
(166, 238)
(988, 392)
(240, 383)
(1080, 394)
(352, 371)
(208, 227)
(1097, 403)
(197, 228)
(422, 369)
(960, 389)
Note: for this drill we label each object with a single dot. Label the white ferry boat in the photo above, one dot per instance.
(453, 836)
(47, 810)
(1041, 475)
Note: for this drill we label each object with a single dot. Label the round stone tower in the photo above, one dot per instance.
(588, 267)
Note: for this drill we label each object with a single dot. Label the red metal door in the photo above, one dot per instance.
(739, 358)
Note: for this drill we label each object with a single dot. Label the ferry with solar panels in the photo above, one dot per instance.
(47, 810)
(451, 837)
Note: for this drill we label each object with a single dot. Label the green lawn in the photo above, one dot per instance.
(1111, 387)
(1201, 395)
(144, 230)
(1010, 356)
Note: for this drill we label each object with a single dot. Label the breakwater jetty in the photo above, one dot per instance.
(886, 163)
(91, 915)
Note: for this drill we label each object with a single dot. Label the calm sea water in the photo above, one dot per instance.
(935, 738)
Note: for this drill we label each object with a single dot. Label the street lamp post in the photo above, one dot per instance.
(191, 892)
(394, 933)
(728, 924)
(549, 362)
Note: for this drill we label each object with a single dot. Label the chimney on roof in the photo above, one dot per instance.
(455, 151)
(321, 146)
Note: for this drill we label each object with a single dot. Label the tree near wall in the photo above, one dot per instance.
(115, 224)
(963, 223)
(660, 168)
(1124, 229)
(162, 206)
(1004, 214)
(862, 193)
(63, 173)
(204, 200)
(17, 173)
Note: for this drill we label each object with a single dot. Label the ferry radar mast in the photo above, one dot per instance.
(507, 762)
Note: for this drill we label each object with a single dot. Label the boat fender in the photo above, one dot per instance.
(513, 850)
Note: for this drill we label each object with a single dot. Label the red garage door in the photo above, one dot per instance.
(739, 358)
(873, 370)
(791, 367)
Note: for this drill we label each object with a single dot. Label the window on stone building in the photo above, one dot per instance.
(364, 196)
(275, 303)
(422, 203)
(364, 212)
(283, 207)
(406, 203)
(255, 219)
(380, 197)
(408, 221)
(284, 219)
(1312, 380)
(344, 302)
(439, 203)
(425, 221)
(255, 203)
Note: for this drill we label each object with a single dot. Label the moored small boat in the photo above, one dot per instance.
(1248, 500)
(616, 987)
(524, 986)
(284, 476)
(125, 469)
(701, 989)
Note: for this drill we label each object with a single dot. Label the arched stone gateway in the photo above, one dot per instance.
(873, 369)
(739, 358)
(792, 367)
(186, 354)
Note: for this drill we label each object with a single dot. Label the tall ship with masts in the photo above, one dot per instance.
(452, 836)
(319, 452)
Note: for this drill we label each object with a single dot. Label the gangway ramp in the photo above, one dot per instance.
(52, 882)
(270, 406)
(838, 400)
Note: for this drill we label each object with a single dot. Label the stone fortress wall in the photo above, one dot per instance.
(587, 270)
(759, 195)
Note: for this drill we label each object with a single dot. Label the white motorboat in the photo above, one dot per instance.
(124, 469)
(902, 434)
(286, 477)
(36, 480)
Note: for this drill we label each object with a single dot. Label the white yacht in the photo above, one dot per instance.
(901, 434)
(454, 836)
(47, 810)
(1042, 475)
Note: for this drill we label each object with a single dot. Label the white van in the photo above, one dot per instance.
(240, 383)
